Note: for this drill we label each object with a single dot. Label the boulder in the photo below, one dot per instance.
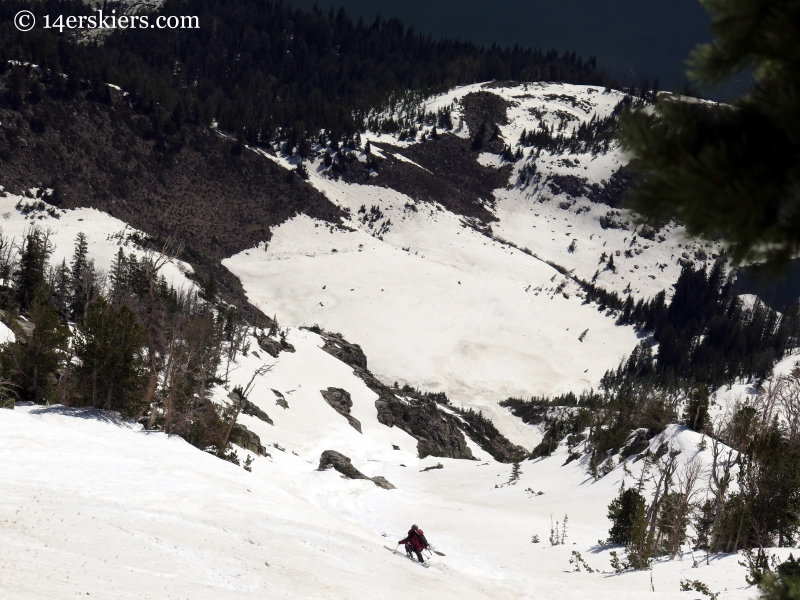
(342, 464)
(251, 409)
(341, 402)
(281, 399)
(242, 436)
(381, 482)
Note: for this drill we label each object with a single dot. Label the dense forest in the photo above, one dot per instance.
(264, 70)
(125, 341)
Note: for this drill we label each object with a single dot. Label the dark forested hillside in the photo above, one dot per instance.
(264, 69)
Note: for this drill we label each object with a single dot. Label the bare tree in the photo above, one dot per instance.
(239, 397)
(789, 406)
(153, 321)
(682, 505)
(722, 461)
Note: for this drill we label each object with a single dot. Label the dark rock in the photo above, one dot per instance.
(451, 176)
(614, 191)
(574, 439)
(349, 354)
(242, 436)
(637, 444)
(486, 110)
(274, 347)
(251, 409)
(571, 185)
(270, 346)
(436, 432)
(382, 482)
(281, 400)
(341, 402)
(662, 450)
(342, 464)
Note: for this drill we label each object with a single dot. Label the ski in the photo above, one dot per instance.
(395, 551)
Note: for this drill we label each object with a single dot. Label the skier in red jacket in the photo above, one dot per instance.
(415, 541)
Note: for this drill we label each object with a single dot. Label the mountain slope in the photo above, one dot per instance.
(96, 505)
(477, 295)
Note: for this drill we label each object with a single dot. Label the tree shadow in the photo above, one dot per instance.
(89, 414)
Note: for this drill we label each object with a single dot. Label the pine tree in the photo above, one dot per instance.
(79, 268)
(33, 359)
(111, 371)
(61, 291)
(625, 512)
(784, 584)
(695, 416)
(30, 274)
(118, 277)
(730, 171)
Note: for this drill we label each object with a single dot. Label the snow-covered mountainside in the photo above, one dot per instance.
(93, 505)
(104, 233)
(461, 265)
(473, 308)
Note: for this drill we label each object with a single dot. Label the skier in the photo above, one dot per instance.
(415, 541)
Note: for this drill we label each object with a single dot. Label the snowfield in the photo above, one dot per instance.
(104, 234)
(95, 506)
(438, 305)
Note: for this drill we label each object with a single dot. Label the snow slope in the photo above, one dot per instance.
(455, 312)
(441, 306)
(104, 234)
(95, 506)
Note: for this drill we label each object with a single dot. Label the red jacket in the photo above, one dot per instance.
(417, 540)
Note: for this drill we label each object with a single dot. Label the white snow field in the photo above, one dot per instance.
(92, 505)
(440, 306)
(104, 234)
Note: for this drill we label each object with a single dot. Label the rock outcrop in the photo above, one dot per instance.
(272, 346)
(436, 433)
(280, 399)
(251, 409)
(341, 402)
(349, 354)
(242, 436)
(342, 464)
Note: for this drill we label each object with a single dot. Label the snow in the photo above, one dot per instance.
(6, 335)
(94, 505)
(443, 307)
(104, 234)
(455, 311)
